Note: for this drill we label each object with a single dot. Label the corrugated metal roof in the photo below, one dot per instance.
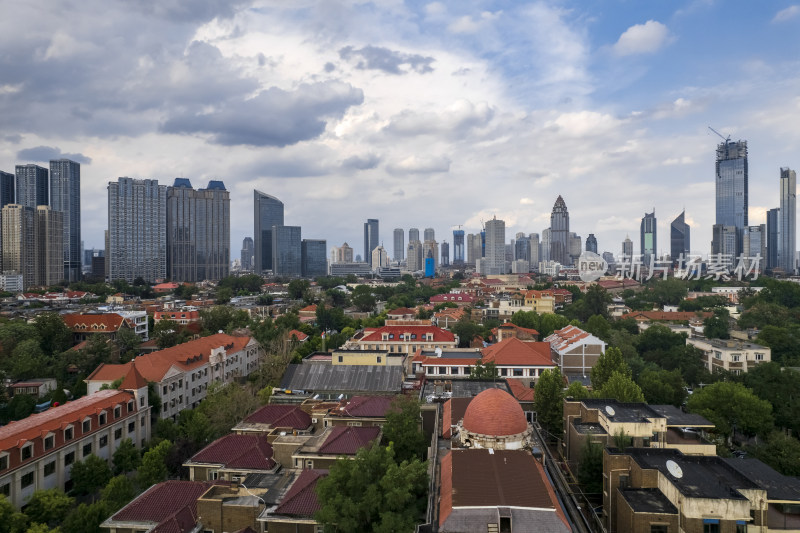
(344, 378)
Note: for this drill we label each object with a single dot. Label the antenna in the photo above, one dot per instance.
(610, 410)
(728, 139)
(674, 470)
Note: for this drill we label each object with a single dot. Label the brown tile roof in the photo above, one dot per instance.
(519, 390)
(512, 351)
(299, 335)
(284, 416)
(364, 406)
(668, 315)
(100, 323)
(171, 504)
(495, 412)
(452, 413)
(133, 380)
(36, 425)
(187, 356)
(347, 440)
(439, 334)
(250, 452)
(301, 500)
(400, 311)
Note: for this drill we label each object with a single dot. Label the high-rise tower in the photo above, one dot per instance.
(787, 231)
(648, 237)
(559, 233)
(773, 237)
(731, 190)
(268, 212)
(32, 186)
(399, 244)
(494, 261)
(679, 237)
(370, 237)
(458, 247)
(591, 243)
(246, 258)
(65, 196)
(6, 189)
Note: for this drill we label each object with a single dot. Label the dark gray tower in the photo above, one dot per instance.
(591, 243)
(6, 189)
(32, 186)
(679, 233)
(370, 237)
(559, 233)
(268, 213)
(65, 196)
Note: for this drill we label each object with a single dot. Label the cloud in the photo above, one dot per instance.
(273, 118)
(389, 61)
(420, 165)
(467, 24)
(787, 14)
(455, 121)
(642, 39)
(526, 201)
(366, 162)
(46, 153)
(13, 139)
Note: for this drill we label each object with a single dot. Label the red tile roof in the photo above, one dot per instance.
(668, 315)
(171, 504)
(187, 356)
(401, 311)
(284, 416)
(19, 432)
(439, 334)
(133, 380)
(299, 335)
(495, 412)
(520, 391)
(512, 351)
(107, 322)
(562, 339)
(364, 406)
(347, 440)
(301, 500)
(511, 325)
(250, 452)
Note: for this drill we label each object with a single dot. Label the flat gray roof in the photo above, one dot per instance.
(677, 418)
(343, 378)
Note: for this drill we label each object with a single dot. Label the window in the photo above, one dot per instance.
(50, 468)
(379, 359)
(717, 354)
(3, 462)
(87, 426)
(117, 433)
(69, 433)
(27, 452)
(735, 357)
(87, 449)
(131, 427)
(49, 442)
(130, 406)
(141, 401)
(442, 370)
(517, 371)
(164, 390)
(69, 458)
(741, 526)
(454, 370)
(503, 372)
(164, 407)
(413, 335)
(103, 441)
(117, 411)
(27, 480)
(102, 419)
(624, 481)
(659, 528)
(5, 490)
(710, 525)
(341, 358)
(759, 356)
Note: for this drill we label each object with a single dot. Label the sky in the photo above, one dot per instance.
(420, 114)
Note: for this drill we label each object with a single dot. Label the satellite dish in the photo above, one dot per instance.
(674, 469)
(610, 410)
(438, 352)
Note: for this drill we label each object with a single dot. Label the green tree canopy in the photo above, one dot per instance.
(154, 465)
(716, 326)
(728, 404)
(781, 452)
(89, 475)
(11, 520)
(577, 391)
(54, 335)
(780, 387)
(484, 371)
(223, 318)
(663, 387)
(86, 518)
(127, 457)
(49, 507)
(118, 493)
(372, 493)
(608, 363)
(621, 388)
(590, 470)
(297, 288)
(548, 400)
(403, 429)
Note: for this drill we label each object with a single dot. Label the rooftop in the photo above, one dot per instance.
(284, 416)
(648, 501)
(343, 378)
(677, 418)
(347, 440)
(462, 388)
(249, 452)
(364, 406)
(778, 486)
(495, 412)
(623, 412)
(301, 499)
(172, 505)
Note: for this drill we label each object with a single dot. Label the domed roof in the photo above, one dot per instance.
(495, 412)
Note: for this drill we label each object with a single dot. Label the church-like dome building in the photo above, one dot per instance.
(494, 419)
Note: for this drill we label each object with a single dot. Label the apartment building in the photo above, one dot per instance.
(730, 355)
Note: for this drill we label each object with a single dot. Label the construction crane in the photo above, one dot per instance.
(727, 140)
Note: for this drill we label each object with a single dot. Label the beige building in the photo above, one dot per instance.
(342, 254)
(730, 355)
(575, 351)
(367, 357)
(19, 242)
(49, 229)
(405, 339)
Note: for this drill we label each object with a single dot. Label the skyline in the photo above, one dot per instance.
(411, 113)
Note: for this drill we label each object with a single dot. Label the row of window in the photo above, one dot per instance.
(457, 371)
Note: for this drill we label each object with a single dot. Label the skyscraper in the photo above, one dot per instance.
(575, 247)
(445, 254)
(627, 247)
(535, 246)
(559, 233)
(648, 234)
(522, 248)
(495, 260)
(755, 243)
(731, 189)
(268, 212)
(773, 237)
(342, 254)
(286, 251)
(724, 240)
(430, 234)
(6, 188)
(399, 244)
(49, 246)
(247, 254)
(787, 230)
(591, 243)
(413, 235)
(458, 247)
(32, 186)
(414, 257)
(313, 258)
(65, 196)
(137, 230)
(371, 239)
(431, 249)
(679, 232)
(198, 231)
(19, 242)
(473, 248)
(544, 249)
(379, 258)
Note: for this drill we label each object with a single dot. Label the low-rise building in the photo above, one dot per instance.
(359, 411)
(183, 373)
(33, 387)
(37, 453)
(276, 419)
(138, 320)
(84, 325)
(294, 512)
(232, 458)
(325, 381)
(323, 450)
(405, 339)
(181, 317)
(730, 355)
(575, 351)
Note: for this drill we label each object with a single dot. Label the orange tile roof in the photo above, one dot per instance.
(512, 351)
(107, 322)
(133, 380)
(668, 315)
(439, 334)
(299, 335)
(519, 390)
(187, 356)
(36, 425)
(401, 311)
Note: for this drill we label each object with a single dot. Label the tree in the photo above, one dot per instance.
(548, 400)
(86, 518)
(127, 342)
(226, 406)
(154, 468)
(481, 371)
(598, 326)
(223, 318)
(89, 475)
(48, 507)
(403, 430)
(781, 388)
(127, 458)
(577, 391)
(118, 493)
(590, 469)
(716, 326)
(168, 334)
(549, 322)
(363, 298)
(297, 287)
(54, 335)
(781, 452)
(11, 520)
(663, 387)
(597, 300)
(732, 405)
(465, 330)
(372, 493)
(608, 363)
(622, 388)
(526, 319)
(21, 406)
(28, 360)
(224, 295)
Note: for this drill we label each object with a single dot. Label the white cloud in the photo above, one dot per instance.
(642, 39)
(467, 24)
(787, 14)
(420, 165)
